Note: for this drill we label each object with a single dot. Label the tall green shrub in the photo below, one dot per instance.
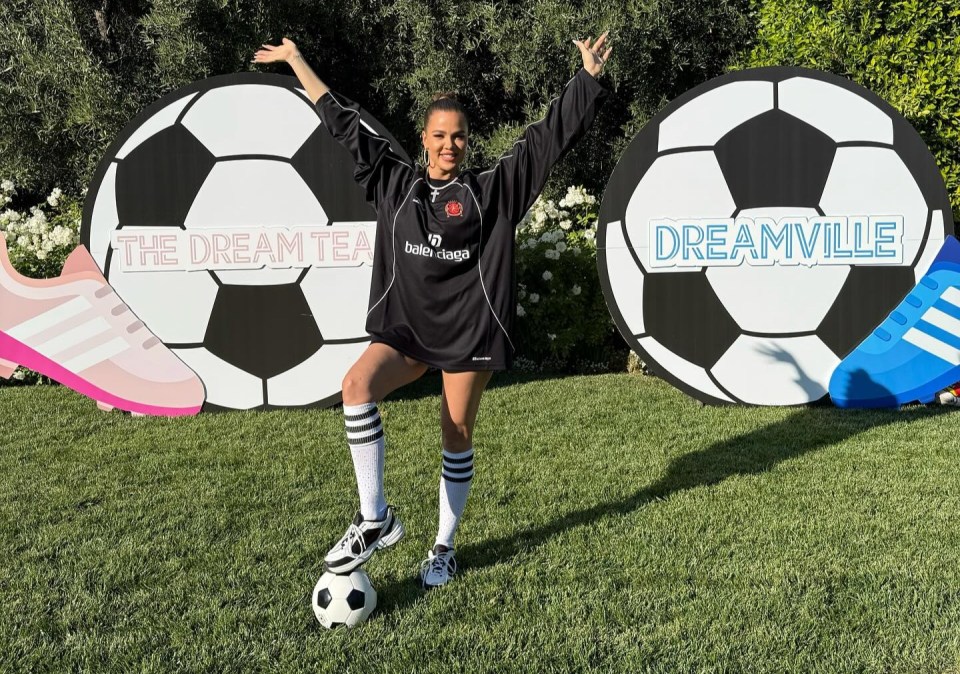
(906, 51)
(73, 72)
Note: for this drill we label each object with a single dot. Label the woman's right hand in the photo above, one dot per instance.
(286, 51)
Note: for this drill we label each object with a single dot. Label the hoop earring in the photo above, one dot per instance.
(426, 159)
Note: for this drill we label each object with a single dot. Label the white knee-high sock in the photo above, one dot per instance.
(456, 477)
(365, 437)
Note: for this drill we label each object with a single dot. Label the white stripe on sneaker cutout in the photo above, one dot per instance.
(942, 321)
(49, 318)
(73, 337)
(97, 355)
(951, 295)
(933, 346)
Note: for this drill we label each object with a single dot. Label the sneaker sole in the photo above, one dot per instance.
(14, 352)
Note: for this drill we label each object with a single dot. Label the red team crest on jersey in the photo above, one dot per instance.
(454, 209)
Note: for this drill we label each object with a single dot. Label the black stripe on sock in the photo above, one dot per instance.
(458, 469)
(457, 479)
(458, 459)
(364, 427)
(362, 415)
(366, 440)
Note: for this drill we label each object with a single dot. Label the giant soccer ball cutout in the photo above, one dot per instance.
(242, 151)
(770, 143)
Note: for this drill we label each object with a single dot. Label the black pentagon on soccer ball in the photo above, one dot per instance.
(158, 181)
(683, 313)
(327, 169)
(324, 598)
(263, 330)
(356, 599)
(866, 299)
(775, 159)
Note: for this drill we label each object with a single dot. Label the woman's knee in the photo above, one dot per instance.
(356, 389)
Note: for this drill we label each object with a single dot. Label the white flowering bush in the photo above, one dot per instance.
(40, 237)
(562, 318)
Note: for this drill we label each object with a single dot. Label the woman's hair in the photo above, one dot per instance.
(446, 101)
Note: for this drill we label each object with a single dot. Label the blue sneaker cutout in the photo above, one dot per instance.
(915, 352)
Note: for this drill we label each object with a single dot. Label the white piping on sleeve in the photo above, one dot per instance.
(363, 127)
(539, 121)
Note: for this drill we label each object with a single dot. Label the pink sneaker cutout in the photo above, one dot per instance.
(77, 331)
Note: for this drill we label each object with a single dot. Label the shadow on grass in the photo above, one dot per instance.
(808, 430)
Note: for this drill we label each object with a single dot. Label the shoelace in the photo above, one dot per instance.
(353, 534)
(120, 308)
(445, 561)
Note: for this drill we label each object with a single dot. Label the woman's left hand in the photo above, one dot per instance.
(594, 57)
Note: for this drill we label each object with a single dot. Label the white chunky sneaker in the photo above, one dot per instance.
(361, 539)
(438, 568)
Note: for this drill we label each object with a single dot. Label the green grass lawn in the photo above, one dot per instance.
(613, 524)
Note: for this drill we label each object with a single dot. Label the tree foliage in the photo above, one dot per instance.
(74, 72)
(906, 51)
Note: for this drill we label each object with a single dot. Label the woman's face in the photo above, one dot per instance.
(445, 140)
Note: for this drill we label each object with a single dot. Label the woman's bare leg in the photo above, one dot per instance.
(459, 406)
(380, 370)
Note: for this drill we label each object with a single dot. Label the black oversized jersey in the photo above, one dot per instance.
(443, 287)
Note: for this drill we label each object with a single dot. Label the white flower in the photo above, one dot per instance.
(520, 311)
(576, 251)
(551, 237)
(551, 254)
(534, 298)
(547, 275)
(561, 246)
(565, 224)
(61, 236)
(19, 374)
(55, 196)
(575, 196)
(575, 289)
(7, 186)
(551, 336)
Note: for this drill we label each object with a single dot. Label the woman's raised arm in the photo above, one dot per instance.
(522, 171)
(287, 51)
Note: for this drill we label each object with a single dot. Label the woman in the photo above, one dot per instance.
(442, 292)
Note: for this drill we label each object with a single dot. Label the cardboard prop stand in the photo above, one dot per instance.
(761, 226)
(229, 221)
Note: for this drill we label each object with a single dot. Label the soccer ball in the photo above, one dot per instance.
(343, 599)
(766, 143)
(239, 151)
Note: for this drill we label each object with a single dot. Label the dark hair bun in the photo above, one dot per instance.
(444, 100)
